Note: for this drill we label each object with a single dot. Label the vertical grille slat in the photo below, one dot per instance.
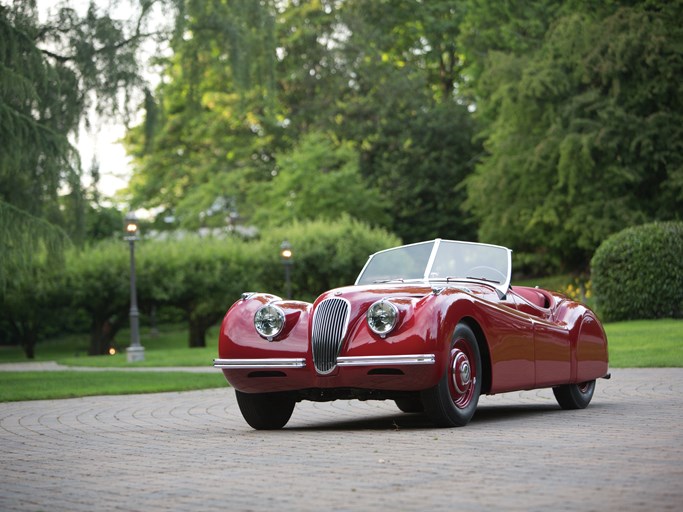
(330, 321)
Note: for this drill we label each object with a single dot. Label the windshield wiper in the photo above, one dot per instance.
(483, 279)
(395, 279)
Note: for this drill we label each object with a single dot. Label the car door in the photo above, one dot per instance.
(552, 346)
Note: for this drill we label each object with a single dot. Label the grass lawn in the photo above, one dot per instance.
(168, 348)
(645, 343)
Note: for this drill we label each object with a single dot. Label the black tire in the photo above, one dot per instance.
(410, 404)
(452, 402)
(574, 396)
(266, 411)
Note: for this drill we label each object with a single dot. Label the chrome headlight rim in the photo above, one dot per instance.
(382, 317)
(269, 321)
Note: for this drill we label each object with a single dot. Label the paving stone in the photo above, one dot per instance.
(193, 451)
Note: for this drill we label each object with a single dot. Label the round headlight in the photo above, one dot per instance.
(382, 317)
(269, 321)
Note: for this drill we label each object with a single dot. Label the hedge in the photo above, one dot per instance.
(201, 277)
(638, 273)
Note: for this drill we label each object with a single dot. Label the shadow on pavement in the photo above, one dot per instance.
(403, 421)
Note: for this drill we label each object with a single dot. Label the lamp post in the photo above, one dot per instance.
(135, 352)
(286, 255)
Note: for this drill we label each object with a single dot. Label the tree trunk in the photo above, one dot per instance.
(198, 330)
(26, 335)
(28, 342)
(98, 327)
(102, 332)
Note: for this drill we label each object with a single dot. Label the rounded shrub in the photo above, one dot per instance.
(638, 273)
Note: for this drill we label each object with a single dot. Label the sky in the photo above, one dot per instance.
(115, 168)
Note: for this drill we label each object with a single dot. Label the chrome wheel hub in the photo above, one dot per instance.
(462, 373)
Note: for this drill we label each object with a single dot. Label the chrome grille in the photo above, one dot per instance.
(329, 328)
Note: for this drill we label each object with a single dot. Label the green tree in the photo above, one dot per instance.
(214, 116)
(407, 114)
(97, 279)
(32, 302)
(587, 133)
(201, 277)
(318, 180)
(52, 73)
(379, 77)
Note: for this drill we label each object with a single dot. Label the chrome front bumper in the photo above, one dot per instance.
(283, 363)
(238, 364)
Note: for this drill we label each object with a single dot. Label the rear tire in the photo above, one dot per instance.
(266, 411)
(574, 396)
(452, 402)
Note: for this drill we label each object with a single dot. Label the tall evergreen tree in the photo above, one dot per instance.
(52, 72)
(584, 135)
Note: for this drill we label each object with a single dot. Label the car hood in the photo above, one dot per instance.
(371, 293)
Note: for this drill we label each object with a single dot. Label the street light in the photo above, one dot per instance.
(135, 352)
(286, 255)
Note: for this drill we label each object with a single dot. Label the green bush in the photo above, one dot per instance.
(201, 277)
(326, 255)
(638, 273)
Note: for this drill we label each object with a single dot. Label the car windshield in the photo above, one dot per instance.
(439, 260)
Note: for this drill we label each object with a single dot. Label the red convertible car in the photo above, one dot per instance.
(430, 325)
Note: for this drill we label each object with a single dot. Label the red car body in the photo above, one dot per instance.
(462, 336)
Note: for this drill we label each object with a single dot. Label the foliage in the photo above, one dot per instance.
(97, 283)
(31, 303)
(594, 104)
(400, 104)
(368, 77)
(202, 277)
(638, 272)
(420, 164)
(579, 290)
(326, 255)
(52, 72)
(215, 118)
(313, 181)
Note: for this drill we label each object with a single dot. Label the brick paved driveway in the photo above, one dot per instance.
(192, 451)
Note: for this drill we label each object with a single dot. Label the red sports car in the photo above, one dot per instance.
(430, 325)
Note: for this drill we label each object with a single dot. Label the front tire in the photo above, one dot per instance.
(574, 396)
(410, 404)
(266, 411)
(452, 402)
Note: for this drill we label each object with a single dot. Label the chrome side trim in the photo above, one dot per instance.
(238, 364)
(408, 359)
